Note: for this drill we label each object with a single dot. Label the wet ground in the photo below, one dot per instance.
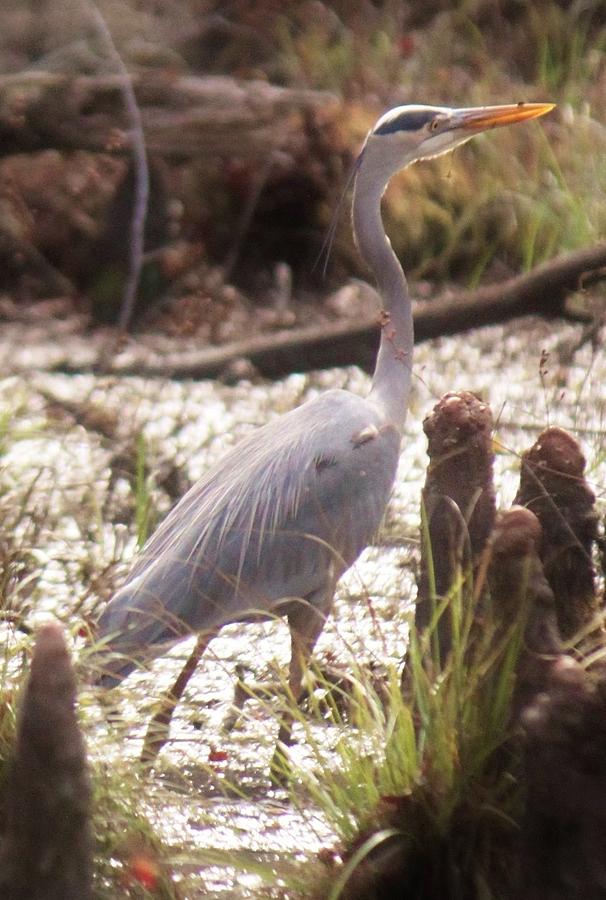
(210, 794)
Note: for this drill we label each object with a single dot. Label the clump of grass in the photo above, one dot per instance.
(129, 856)
(18, 530)
(352, 50)
(423, 784)
(9, 692)
(571, 44)
(143, 501)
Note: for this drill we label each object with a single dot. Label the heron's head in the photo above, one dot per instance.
(409, 133)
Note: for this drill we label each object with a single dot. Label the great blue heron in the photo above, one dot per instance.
(273, 525)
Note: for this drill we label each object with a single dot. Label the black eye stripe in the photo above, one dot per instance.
(408, 121)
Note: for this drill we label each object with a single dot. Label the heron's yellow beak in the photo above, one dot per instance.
(482, 117)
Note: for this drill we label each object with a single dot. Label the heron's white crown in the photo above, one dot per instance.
(416, 131)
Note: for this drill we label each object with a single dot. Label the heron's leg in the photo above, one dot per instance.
(157, 730)
(306, 621)
(243, 691)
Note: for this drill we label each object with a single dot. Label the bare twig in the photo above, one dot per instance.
(141, 172)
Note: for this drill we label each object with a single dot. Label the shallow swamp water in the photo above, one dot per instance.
(210, 795)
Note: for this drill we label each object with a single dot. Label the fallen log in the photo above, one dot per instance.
(182, 115)
(541, 291)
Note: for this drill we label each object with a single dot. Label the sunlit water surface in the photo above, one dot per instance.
(210, 795)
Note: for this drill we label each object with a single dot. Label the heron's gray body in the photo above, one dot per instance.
(305, 498)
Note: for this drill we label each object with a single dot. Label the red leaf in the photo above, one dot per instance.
(216, 756)
(144, 870)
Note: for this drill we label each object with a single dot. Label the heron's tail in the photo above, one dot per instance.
(132, 630)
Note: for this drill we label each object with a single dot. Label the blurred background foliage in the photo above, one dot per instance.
(496, 208)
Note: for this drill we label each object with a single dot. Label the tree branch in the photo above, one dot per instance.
(542, 291)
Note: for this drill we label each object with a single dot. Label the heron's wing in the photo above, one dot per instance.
(284, 512)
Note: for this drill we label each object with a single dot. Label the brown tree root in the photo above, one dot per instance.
(46, 842)
(564, 829)
(458, 501)
(520, 593)
(553, 486)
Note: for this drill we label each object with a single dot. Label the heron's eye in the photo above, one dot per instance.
(434, 124)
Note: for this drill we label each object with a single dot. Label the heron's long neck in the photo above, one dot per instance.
(392, 376)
